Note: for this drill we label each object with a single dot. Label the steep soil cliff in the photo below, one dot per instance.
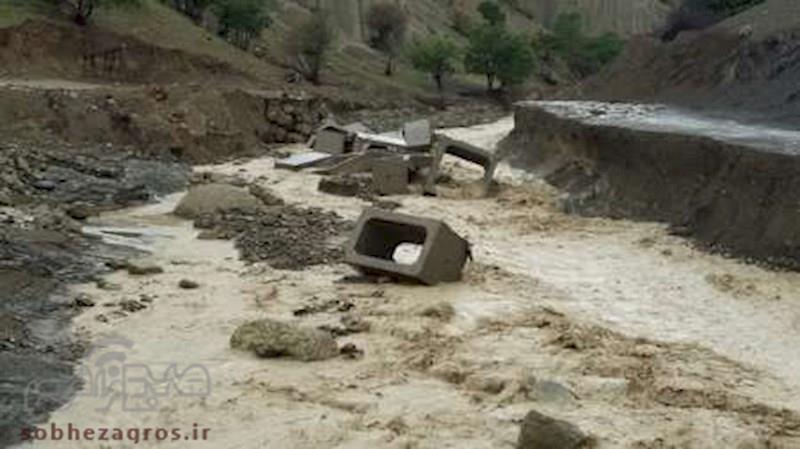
(729, 185)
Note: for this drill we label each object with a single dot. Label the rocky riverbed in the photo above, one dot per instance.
(44, 197)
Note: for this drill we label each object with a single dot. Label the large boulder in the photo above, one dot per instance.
(211, 198)
(269, 338)
(543, 432)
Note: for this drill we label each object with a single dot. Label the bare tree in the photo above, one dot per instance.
(387, 24)
(309, 44)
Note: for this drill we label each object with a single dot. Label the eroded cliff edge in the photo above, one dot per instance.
(732, 186)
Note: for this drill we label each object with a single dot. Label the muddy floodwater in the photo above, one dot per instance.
(632, 334)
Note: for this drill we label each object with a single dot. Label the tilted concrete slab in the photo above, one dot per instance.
(379, 233)
(303, 160)
(471, 153)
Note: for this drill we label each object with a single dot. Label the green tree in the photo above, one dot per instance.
(241, 20)
(498, 54)
(309, 43)
(82, 10)
(387, 24)
(492, 12)
(436, 55)
(584, 54)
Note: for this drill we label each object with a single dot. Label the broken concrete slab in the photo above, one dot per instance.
(471, 153)
(390, 175)
(331, 140)
(379, 234)
(336, 139)
(354, 164)
(417, 134)
(302, 160)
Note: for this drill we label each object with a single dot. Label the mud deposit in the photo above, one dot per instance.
(42, 249)
(726, 184)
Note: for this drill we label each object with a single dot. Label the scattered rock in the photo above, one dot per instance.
(351, 351)
(83, 300)
(387, 204)
(269, 338)
(188, 284)
(146, 298)
(132, 305)
(102, 284)
(45, 184)
(79, 211)
(332, 305)
(450, 372)
(441, 310)
(211, 198)
(349, 186)
(265, 195)
(348, 325)
(487, 384)
(143, 267)
(543, 432)
(101, 318)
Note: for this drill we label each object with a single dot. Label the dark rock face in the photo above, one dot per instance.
(733, 196)
(543, 432)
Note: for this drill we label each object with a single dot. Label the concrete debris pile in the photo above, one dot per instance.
(389, 162)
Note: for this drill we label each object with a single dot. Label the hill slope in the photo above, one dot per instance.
(748, 65)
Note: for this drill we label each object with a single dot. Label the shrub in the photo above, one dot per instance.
(387, 24)
(309, 43)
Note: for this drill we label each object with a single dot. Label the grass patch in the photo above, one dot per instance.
(14, 12)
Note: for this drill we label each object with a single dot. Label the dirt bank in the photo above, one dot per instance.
(726, 184)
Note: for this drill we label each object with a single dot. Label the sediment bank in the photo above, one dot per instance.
(730, 186)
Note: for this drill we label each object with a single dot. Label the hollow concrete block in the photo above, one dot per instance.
(379, 233)
(468, 152)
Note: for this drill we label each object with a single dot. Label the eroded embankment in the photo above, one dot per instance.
(731, 186)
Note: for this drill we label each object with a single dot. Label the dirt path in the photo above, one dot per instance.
(623, 330)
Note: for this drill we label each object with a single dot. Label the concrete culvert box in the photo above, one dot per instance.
(406, 247)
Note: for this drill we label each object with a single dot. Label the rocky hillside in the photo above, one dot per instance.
(625, 17)
(748, 65)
